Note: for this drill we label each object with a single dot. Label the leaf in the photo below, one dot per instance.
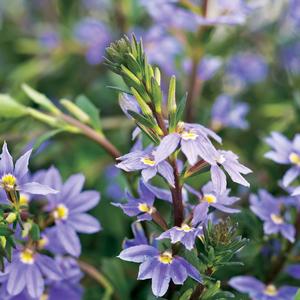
(35, 232)
(186, 295)
(5, 230)
(180, 108)
(297, 297)
(39, 98)
(90, 109)
(119, 89)
(11, 108)
(142, 119)
(46, 136)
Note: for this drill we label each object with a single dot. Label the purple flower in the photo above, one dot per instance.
(294, 270)
(247, 68)
(16, 177)
(269, 210)
(285, 152)
(145, 161)
(194, 142)
(139, 236)
(141, 207)
(49, 39)
(209, 196)
(208, 67)
(185, 234)
(160, 267)
(289, 57)
(68, 209)
(94, 35)
(28, 271)
(259, 291)
(161, 48)
(226, 113)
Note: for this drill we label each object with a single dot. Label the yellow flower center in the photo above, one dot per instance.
(295, 158)
(270, 290)
(8, 182)
(61, 212)
(24, 199)
(143, 207)
(166, 258)
(210, 198)
(44, 297)
(189, 135)
(43, 242)
(277, 219)
(148, 161)
(27, 256)
(185, 228)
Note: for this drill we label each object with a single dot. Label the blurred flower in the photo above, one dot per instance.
(208, 66)
(113, 188)
(95, 36)
(259, 291)
(294, 270)
(16, 177)
(269, 210)
(287, 153)
(145, 161)
(68, 209)
(290, 57)
(226, 113)
(49, 39)
(245, 68)
(160, 267)
(161, 48)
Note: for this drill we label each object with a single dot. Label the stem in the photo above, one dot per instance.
(97, 276)
(158, 219)
(94, 135)
(200, 287)
(177, 196)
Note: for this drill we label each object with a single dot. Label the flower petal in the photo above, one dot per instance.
(21, 167)
(84, 223)
(6, 161)
(34, 282)
(290, 176)
(246, 284)
(138, 253)
(69, 239)
(218, 178)
(84, 201)
(16, 278)
(166, 147)
(36, 189)
(160, 280)
(73, 186)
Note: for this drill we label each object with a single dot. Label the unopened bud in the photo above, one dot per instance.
(11, 217)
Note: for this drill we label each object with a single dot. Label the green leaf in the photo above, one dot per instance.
(46, 136)
(119, 89)
(147, 122)
(40, 99)
(297, 297)
(180, 108)
(90, 109)
(35, 232)
(5, 230)
(186, 295)
(11, 108)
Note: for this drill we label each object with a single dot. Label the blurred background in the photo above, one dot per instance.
(245, 79)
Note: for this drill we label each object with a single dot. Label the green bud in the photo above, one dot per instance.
(171, 96)
(128, 73)
(26, 230)
(3, 241)
(40, 99)
(142, 103)
(11, 108)
(76, 111)
(42, 117)
(157, 75)
(11, 217)
(156, 95)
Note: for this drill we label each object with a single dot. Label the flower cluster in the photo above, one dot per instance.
(41, 263)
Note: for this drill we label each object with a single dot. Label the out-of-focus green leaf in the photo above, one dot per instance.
(35, 232)
(90, 109)
(10, 108)
(46, 136)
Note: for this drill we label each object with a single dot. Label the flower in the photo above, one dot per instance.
(161, 267)
(49, 39)
(247, 67)
(141, 207)
(68, 209)
(94, 35)
(139, 236)
(259, 291)
(185, 234)
(145, 161)
(28, 271)
(16, 177)
(209, 196)
(290, 59)
(194, 142)
(208, 67)
(269, 210)
(294, 270)
(285, 152)
(226, 113)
